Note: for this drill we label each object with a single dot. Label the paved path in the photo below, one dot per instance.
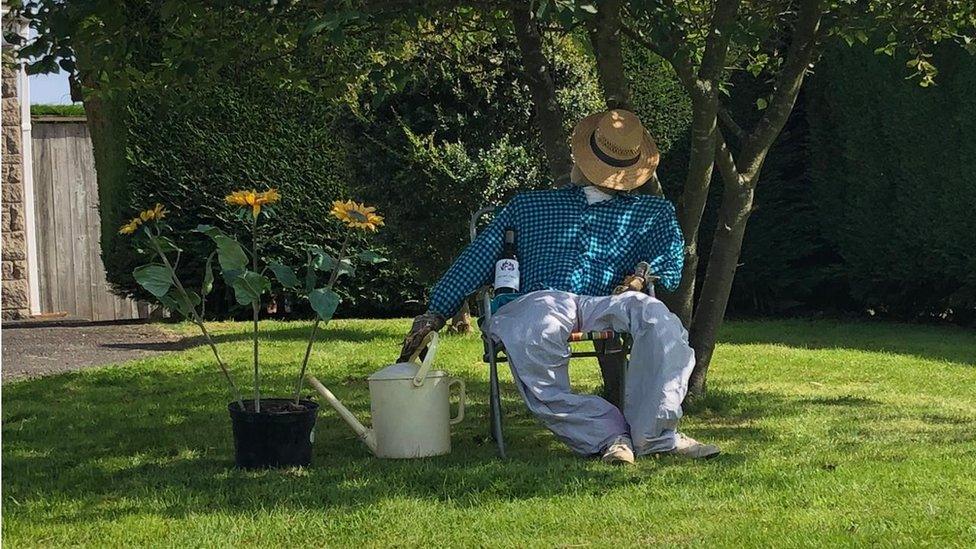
(32, 351)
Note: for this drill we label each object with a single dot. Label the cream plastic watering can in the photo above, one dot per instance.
(410, 407)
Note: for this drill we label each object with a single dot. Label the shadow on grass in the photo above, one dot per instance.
(96, 439)
(943, 343)
(136, 440)
(300, 332)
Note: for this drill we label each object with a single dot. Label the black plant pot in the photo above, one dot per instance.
(280, 436)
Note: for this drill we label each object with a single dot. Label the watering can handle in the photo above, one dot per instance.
(430, 343)
(460, 414)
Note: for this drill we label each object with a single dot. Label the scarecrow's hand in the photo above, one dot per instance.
(422, 326)
(633, 283)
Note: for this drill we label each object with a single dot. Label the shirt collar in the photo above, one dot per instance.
(581, 194)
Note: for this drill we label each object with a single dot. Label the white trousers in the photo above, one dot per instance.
(534, 330)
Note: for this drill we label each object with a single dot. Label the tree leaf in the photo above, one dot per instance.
(155, 278)
(371, 257)
(285, 275)
(249, 286)
(761, 103)
(324, 302)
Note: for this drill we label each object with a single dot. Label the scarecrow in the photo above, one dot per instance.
(578, 247)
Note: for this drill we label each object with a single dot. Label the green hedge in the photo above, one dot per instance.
(456, 140)
(57, 110)
(189, 150)
(892, 166)
(864, 201)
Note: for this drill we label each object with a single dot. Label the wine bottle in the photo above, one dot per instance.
(507, 266)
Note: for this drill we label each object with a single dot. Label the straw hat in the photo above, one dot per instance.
(613, 150)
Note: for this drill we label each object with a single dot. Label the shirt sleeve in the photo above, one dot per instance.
(667, 249)
(474, 267)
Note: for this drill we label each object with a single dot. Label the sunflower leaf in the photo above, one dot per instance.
(285, 275)
(208, 276)
(324, 302)
(155, 278)
(174, 302)
(322, 261)
(371, 257)
(249, 286)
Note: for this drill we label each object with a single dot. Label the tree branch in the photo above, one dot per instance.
(605, 38)
(717, 42)
(669, 52)
(538, 77)
(788, 83)
(730, 124)
(725, 161)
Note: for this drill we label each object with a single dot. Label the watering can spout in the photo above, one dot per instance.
(366, 435)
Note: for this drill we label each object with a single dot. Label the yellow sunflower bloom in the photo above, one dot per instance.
(156, 213)
(131, 226)
(159, 212)
(253, 199)
(356, 215)
(269, 196)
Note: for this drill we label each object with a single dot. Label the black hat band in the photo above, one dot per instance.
(609, 160)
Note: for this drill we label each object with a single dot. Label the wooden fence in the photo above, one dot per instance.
(72, 277)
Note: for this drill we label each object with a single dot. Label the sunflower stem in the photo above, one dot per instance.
(196, 318)
(256, 307)
(311, 336)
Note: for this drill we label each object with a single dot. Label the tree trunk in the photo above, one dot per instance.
(461, 322)
(740, 178)
(722, 263)
(605, 38)
(538, 77)
(692, 202)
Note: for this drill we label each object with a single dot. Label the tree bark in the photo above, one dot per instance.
(740, 178)
(605, 31)
(691, 205)
(612, 371)
(722, 262)
(703, 89)
(538, 77)
(605, 38)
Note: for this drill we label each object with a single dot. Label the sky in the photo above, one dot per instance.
(50, 89)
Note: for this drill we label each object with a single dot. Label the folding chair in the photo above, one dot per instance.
(608, 345)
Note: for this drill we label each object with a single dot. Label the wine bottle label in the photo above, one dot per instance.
(507, 274)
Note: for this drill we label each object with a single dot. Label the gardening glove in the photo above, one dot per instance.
(423, 325)
(637, 282)
(632, 283)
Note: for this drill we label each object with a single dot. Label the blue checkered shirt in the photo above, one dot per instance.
(564, 243)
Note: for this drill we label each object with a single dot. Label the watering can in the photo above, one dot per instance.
(410, 408)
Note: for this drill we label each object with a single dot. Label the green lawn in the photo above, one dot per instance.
(833, 433)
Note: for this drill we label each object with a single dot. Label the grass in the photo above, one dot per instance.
(833, 433)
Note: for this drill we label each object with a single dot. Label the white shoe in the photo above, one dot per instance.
(691, 448)
(621, 450)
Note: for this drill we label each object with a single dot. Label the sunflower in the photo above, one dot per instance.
(155, 213)
(356, 215)
(131, 226)
(253, 199)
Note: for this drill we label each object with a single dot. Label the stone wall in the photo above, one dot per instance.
(15, 295)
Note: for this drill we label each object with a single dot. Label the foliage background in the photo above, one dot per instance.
(858, 209)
